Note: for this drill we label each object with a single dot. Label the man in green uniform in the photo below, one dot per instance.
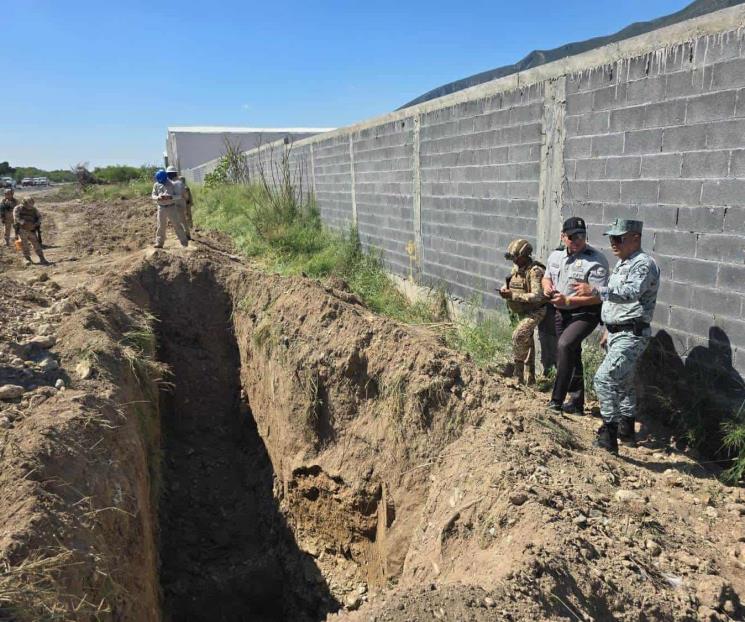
(629, 300)
(27, 221)
(524, 297)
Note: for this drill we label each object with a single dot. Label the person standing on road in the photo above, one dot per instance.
(167, 195)
(629, 300)
(7, 205)
(188, 203)
(524, 297)
(27, 221)
(576, 315)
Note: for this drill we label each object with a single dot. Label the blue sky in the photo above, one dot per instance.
(101, 81)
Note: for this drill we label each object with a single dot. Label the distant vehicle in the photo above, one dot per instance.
(27, 181)
(40, 181)
(7, 182)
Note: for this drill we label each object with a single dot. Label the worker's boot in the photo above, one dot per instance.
(531, 372)
(607, 438)
(627, 431)
(27, 261)
(508, 370)
(518, 373)
(43, 260)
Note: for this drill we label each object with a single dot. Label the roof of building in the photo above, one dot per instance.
(213, 129)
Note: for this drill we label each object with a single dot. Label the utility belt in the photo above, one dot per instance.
(637, 328)
(578, 312)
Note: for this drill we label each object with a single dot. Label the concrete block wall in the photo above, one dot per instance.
(661, 138)
(652, 128)
(479, 188)
(384, 190)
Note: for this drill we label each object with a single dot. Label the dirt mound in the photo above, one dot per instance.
(235, 445)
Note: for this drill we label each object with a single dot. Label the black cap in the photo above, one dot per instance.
(574, 225)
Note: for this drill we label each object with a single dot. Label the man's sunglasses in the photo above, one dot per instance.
(575, 237)
(618, 239)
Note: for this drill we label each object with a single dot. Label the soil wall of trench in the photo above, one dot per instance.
(294, 426)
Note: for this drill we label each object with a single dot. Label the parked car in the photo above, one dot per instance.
(7, 182)
(27, 181)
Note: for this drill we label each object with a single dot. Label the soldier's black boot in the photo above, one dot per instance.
(607, 438)
(508, 370)
(627, 431)
(519, 372)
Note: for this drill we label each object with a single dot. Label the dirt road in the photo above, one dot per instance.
(192, 439)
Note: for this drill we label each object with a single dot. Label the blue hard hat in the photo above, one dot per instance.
(161, 176)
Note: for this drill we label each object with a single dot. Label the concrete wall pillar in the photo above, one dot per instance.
(417, 194)
(351, 167)
(551, 181)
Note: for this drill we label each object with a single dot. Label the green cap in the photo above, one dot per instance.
(621, 226)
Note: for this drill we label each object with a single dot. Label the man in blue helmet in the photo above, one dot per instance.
(167, 195)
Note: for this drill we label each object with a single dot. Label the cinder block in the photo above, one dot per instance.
(608, 144)
(690, 322)
(590, 169)
(733, 328)
(661, 166)
(724, 134)
(684, 138)
(711, 107)
(578, 103)
(665, 114)
(576, 191)
(609, 97)
(674, 243)
(647, 90)
(625, 167)
(716, 302)
(581, 147)
(694, 271)
(729, 74)
(526, 114)
(674, 292)
(680, 191)
(625, 119)
(643, 141)
(688, 82)
(611, 211)
(593, 123)
(720, 247)
(731, 277)
(701, 219)
(703, 164)
(604, 191)
(664, 263)
(734, 219)
(724, 192)
(737, 163)
(639, 191)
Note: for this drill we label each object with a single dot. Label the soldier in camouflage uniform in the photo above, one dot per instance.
(7, 205)
(188, 203)
(27, 220)
(628, 305)
(524, 296)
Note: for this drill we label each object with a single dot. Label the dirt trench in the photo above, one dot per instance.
(226, 551)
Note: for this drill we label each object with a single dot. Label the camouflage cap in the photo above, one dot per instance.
(621, 226)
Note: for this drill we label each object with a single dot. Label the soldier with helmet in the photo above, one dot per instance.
(7, 205)
(524, 297)
(27, 221)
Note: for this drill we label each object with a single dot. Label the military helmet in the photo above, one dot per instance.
(518, 248)
(28, 200)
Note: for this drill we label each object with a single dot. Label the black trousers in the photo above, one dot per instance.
(572, 328)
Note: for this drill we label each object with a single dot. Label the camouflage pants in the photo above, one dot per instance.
(30, 239)
(614, 380)
(523, 347)
(8, 223)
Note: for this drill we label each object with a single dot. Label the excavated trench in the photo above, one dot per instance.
(226, 552)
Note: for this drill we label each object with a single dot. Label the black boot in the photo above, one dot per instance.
(607, 438)
(627, 431)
